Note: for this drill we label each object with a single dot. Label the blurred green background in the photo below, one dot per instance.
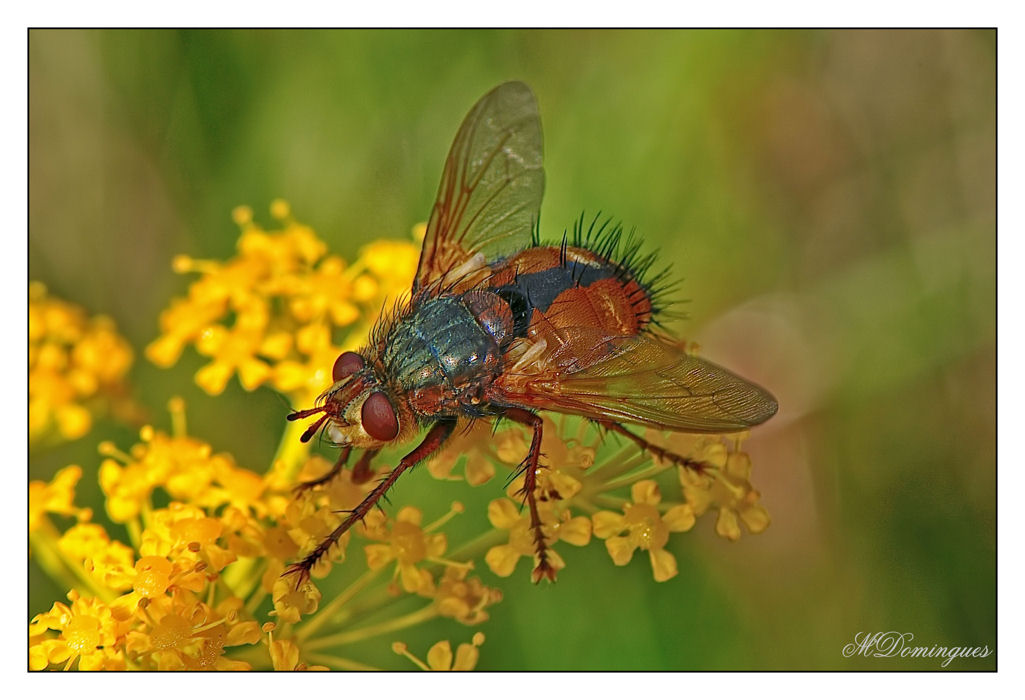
(827, 197)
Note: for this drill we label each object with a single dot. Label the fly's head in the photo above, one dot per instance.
(359, 409)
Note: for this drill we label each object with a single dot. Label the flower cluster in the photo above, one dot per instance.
(76, 367)
(151, 603)
(272, 313)
(183, 592)
(198, 581)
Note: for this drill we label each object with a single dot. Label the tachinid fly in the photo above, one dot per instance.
(500, 325)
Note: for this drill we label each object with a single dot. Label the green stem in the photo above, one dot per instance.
(70, 573)
(484, 541)
(380, 599)
(416, 617)
(254, 601)
(324, 614)
(134, 533)
(654, 470)
(619, 463)
(337, 662)
(243, 576)
(293, 452)
(611, 502)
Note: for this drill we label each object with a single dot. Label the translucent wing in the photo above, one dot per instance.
(491, 189)
(637, 379)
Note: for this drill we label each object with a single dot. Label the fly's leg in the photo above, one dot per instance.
(362, 472)
(544, 568)
(343, 457)
(659, 452)
(434, 439)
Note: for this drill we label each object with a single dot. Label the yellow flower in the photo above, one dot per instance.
(291, 603)
(557, 525)
(284, 654)
(474, 442)
(464, 598)
(729, 490)
(186, 535)
(441, 658)
(56, 497)
(110, 561)
(77, 368)
(645, 528)
(88, 633)
(232, 350)
(407, 544)
(183, 633)
(285, 299)
(184, 467)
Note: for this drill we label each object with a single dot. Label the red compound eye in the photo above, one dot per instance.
(347, 364)
(378, 417)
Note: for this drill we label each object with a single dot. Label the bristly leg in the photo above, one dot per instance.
(658, 452)
(434, 439)
(343, 457)
(544, 568)
(362, 472)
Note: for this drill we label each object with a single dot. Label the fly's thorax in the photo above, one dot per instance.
(442, 356)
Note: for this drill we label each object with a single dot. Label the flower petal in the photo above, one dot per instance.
(439, 656)
(620, 549)
(756, 518)
(411, 515)
(727, 526)
(645, 492)
(663, 564)
(478, 470)
(466, 657)
(607, 523)
(576, 531)
(247, 632)
(502, 559)
(503, 513)
(679, 518)
(378, 555)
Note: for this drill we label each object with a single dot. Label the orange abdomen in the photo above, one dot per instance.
(558, 287)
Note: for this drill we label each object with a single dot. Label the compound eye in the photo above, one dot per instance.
(347, 364)
(378, 417)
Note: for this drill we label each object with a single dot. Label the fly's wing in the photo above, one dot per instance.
(490, 192)
(636, 379)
